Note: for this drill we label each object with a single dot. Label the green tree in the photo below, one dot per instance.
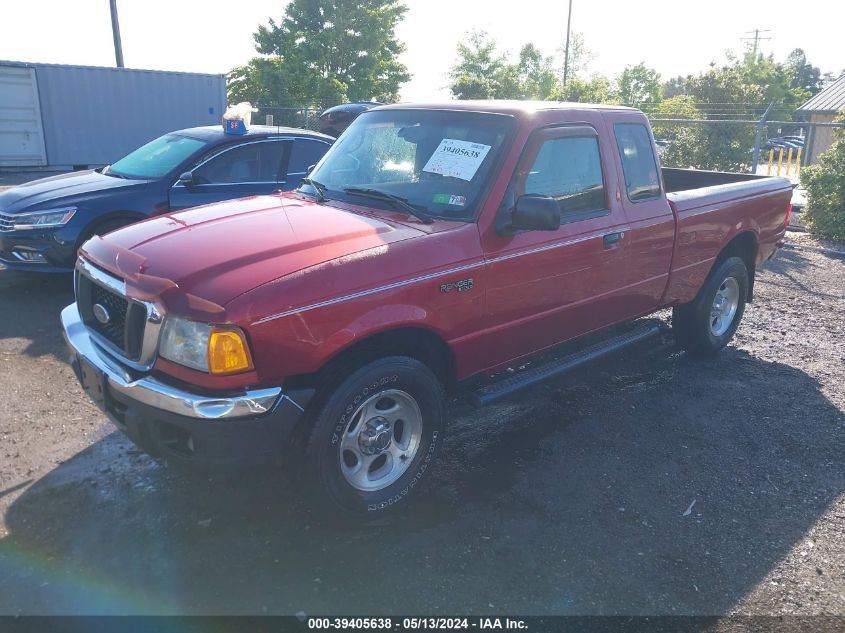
(481, 72)
(639, 85)
(825, 184)
(535, 74)
(596, 89)
(725, 92)
(804, 75)
(675, 86)
(775, 82)
(682, 144)
(580, 57)
(324, 52)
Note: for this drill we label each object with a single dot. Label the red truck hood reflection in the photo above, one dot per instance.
(220, 251)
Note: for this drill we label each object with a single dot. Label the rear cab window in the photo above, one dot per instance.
(639, 164)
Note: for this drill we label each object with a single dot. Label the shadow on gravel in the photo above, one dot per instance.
(658, 485)
(793, 265)
(31, 304)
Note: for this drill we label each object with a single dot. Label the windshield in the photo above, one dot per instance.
(156, 158)
(437, 161)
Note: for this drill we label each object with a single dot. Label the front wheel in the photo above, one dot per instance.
(375, 437)
(706, 325)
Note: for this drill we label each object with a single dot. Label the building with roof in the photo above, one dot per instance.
(822, 108)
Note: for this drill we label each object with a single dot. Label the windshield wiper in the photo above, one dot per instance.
(319, 187)
(402, 203)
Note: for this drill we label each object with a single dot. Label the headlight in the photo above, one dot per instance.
(208, 348)
(42, 219)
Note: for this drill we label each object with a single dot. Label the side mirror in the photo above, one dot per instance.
(535, 213)
(186, 179)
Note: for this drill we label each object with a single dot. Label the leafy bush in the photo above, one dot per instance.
(825, 185)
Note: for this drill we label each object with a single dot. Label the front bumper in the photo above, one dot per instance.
(164, 420)
(46, 250)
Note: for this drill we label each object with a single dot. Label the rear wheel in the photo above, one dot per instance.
(374, 437)
(706, 325)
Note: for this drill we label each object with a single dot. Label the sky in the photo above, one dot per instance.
(672, 36)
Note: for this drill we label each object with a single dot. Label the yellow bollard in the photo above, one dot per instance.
(788, 161)
(798, 161)
(771, 158)
(780, 160)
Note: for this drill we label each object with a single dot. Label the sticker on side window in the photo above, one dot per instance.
(458, 159)
(445, 198)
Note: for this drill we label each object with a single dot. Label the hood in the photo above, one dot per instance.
(217, 252)
(59, 190)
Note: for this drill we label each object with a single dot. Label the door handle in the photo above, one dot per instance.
(612, 239)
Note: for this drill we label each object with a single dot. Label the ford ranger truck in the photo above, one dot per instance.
(431, 248)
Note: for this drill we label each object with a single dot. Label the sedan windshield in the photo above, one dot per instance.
(156, 158)
(436, 161)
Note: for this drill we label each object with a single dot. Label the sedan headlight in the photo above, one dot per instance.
(208, 348)
(44, 219)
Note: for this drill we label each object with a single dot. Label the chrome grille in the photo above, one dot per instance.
(132, 327)
(7, 222)
(116, 307)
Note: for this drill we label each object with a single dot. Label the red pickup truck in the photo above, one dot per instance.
(432, 247)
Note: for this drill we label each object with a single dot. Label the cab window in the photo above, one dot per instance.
(638, 161)
(569, 170)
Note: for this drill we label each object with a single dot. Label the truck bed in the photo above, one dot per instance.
(678, 180)
(708, 207)
(688, 189)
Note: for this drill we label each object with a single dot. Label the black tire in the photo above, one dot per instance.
(325, 458)
(692, 323)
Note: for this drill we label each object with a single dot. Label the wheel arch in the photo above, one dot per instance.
(744, 245)
(414, 341)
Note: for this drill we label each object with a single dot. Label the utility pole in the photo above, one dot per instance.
(756, 39)
(566, 52)
(115, 31)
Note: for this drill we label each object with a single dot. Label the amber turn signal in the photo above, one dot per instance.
(228, 352)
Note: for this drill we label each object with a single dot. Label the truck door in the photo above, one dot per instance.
(546, 287)
(248, 169)
(651, 223)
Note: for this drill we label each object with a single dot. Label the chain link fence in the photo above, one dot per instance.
(306, 118)
(762, 147)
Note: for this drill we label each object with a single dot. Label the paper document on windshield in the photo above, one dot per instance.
(458, 159)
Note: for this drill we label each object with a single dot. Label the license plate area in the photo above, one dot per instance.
(93, 381)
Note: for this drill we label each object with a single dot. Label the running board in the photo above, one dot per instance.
(507, 386)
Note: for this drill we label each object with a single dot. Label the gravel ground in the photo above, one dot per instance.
(652, 485)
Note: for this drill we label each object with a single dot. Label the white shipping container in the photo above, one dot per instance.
(21, 135)
(77, 116)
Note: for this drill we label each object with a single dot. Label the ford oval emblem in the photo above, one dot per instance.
(101, 314)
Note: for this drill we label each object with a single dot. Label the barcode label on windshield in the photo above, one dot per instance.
(458, 159)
